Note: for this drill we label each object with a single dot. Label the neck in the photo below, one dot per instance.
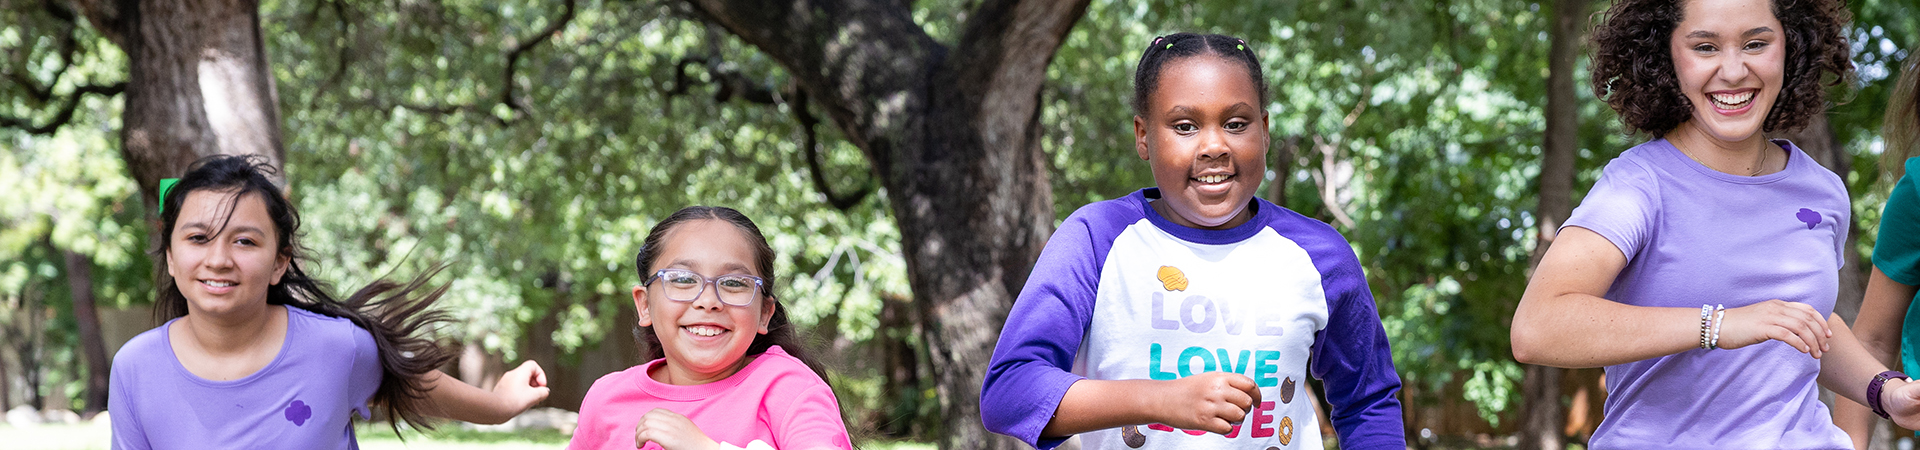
(1744, 157)
(679, 375)
(233, 332)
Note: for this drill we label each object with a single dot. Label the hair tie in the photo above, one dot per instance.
(1240, 47)
(166, 185)
(1169, 45)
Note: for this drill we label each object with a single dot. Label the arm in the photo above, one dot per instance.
(810, 421)
(1211, 401)
(127, 433)
(1562, 320)
(1877, 328)
(1353, 359)
(517, 390)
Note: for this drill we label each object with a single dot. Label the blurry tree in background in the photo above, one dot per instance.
(533, 143)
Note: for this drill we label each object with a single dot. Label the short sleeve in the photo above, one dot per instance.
(811, 421)
(121, 383)
(1030, 370)
(1897, 252)
(1621, 206)
(367, 372)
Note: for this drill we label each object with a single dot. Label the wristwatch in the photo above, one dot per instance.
(1873, 390)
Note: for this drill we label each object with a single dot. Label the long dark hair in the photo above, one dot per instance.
(392, 312)
(779, 330)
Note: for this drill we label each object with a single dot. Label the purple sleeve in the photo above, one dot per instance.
(367, 372)
(121, 384)
(1351, 356)
(1620, 206)
(1029, 373)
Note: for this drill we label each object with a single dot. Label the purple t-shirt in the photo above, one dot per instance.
(1694, 236)
(325, 371)
(1123, 293)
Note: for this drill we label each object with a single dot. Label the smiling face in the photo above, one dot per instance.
(704, 340)
(1730, 58)
(1205, 135)
(224, 260)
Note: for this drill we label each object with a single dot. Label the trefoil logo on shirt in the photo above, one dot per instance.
(1807, 215)
(298, 413)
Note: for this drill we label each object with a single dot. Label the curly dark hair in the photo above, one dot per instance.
(1633, 70)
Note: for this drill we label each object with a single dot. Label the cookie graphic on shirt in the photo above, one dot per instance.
(1286, 390)
(1286, 431)
(298, 413)
(1808, 216)
(1133, 437)
(1172, 279)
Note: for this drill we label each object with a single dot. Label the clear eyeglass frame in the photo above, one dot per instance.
(683, 285)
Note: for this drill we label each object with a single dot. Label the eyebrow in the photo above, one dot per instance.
(1180, 109)
(687, 264)
(1709, 34)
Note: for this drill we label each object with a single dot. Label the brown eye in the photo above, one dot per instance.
(1185, 127)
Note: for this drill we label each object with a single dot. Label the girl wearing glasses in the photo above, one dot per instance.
(726, 370)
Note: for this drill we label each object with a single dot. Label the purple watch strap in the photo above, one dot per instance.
(1873, 390)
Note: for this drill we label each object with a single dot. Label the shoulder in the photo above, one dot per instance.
(147, 348)
(1107, 217)
(1322, 242)
(777, 367)
(325, 329)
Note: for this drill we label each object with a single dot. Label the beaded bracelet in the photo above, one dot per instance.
(1719, 316)
(1706, 325)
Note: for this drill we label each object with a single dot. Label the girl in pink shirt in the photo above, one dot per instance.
(728, 373)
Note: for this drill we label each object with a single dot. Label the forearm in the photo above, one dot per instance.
(450, 398)
(1575, 330)
(1847, 367)
(1100, 404)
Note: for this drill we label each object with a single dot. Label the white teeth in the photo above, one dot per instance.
(705, 331)
(1732, 100)
(1210, 179)
(217, 283)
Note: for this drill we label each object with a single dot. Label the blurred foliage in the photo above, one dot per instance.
(1420, 121)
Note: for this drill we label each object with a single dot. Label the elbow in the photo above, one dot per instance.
(1525, 341)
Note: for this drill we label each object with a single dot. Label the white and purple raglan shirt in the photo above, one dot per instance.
(1694, 236)
(1122, 293)
(326, 371)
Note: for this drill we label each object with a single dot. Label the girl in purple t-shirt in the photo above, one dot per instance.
(254, 354)
(1702, 268)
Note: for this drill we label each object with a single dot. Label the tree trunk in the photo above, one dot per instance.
(198, 84)
(1542, 414)
(953, 135)
(92, 347)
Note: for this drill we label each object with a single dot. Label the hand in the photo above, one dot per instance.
(671, 431)
(1796, 324)
(521, 387)
(1901, 398)
(1212, 401)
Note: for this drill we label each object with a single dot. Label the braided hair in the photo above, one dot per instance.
(1165, 49)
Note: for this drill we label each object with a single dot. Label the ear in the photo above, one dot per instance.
(280, 264)
(1140, 136)
(640, 305)
(169, 259)
(766, 313)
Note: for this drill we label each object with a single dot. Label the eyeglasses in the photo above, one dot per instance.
(685, 286)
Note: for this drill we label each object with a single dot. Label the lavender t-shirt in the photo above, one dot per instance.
(1696, 236)
(325, 371)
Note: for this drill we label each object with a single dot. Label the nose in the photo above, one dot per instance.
(709, 297)
(1213, 145)
(1733, 66)
(219, 256)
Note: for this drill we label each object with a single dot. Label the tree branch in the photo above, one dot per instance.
(66, 111)
(513, 57)
(812, 146)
